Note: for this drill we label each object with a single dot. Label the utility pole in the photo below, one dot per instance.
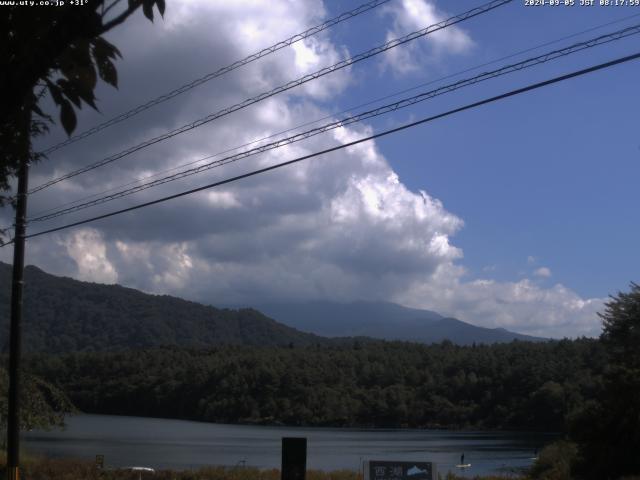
(17, 284)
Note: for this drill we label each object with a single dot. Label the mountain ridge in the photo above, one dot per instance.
(62, 315)
(384, 320)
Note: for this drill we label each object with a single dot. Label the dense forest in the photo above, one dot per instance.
(589, 389)
(66, 315)
(114, 350)
(520, 385)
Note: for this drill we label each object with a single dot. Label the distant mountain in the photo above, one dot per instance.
(66, 315)
(383, 320)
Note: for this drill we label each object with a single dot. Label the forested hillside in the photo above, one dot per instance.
(513, 386)
(66, 315)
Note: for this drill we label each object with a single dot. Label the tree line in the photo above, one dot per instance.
(520, 385)
(589, 389)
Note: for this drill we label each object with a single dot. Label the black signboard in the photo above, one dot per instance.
(390, 470)
(294, 458)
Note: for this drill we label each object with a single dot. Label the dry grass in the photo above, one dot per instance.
(452, 476)
(40, 468)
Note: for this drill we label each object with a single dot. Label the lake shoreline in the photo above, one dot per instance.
(178, 444)
(357, 427)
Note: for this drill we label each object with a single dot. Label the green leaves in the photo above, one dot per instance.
(161, 6)
(79, 66)
(67, 117)
(621, 327)
(43, 405)
(59, 91)
(61, 49)
(147, 8)
(607, 431)
(103, 53)
(76, 65)
(108, 72)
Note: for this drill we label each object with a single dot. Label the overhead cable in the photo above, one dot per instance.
(326, 117)
(210, 76)
(295, 83)
(392, 107)
(511, 93)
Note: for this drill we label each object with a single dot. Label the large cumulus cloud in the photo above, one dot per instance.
(341, 226)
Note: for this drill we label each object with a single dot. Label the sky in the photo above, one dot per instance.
(518, 214)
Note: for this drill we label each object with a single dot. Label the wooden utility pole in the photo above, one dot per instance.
(17, 284)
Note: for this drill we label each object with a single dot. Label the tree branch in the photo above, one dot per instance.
(118, 20)
(106, 10)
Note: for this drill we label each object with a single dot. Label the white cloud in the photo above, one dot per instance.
(341, 226)
(86, 247)
(222, 199)
(412, 15)
(519, 306)
(542, 272)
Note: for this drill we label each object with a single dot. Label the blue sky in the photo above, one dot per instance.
(519, 214)
(545, 179)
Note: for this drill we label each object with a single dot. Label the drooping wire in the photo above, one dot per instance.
(392, 107)
(346, 110)
(295, 83)
(224, 70)
(511, 93)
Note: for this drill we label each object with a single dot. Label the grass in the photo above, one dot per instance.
(41, 468)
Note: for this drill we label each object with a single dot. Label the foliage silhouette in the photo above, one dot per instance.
(607, 429)
(59, 51)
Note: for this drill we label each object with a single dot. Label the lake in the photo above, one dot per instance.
(178, 444)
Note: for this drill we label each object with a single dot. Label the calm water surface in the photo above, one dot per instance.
(177, 444)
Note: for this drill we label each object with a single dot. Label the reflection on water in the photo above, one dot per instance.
(181, 445)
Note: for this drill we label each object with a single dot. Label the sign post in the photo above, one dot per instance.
(392, 470)
(294, 458)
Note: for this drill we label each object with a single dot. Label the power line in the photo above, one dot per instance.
(370, 102)
(210, 76)
(307, 78)
(350, 144)
(540, 59)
